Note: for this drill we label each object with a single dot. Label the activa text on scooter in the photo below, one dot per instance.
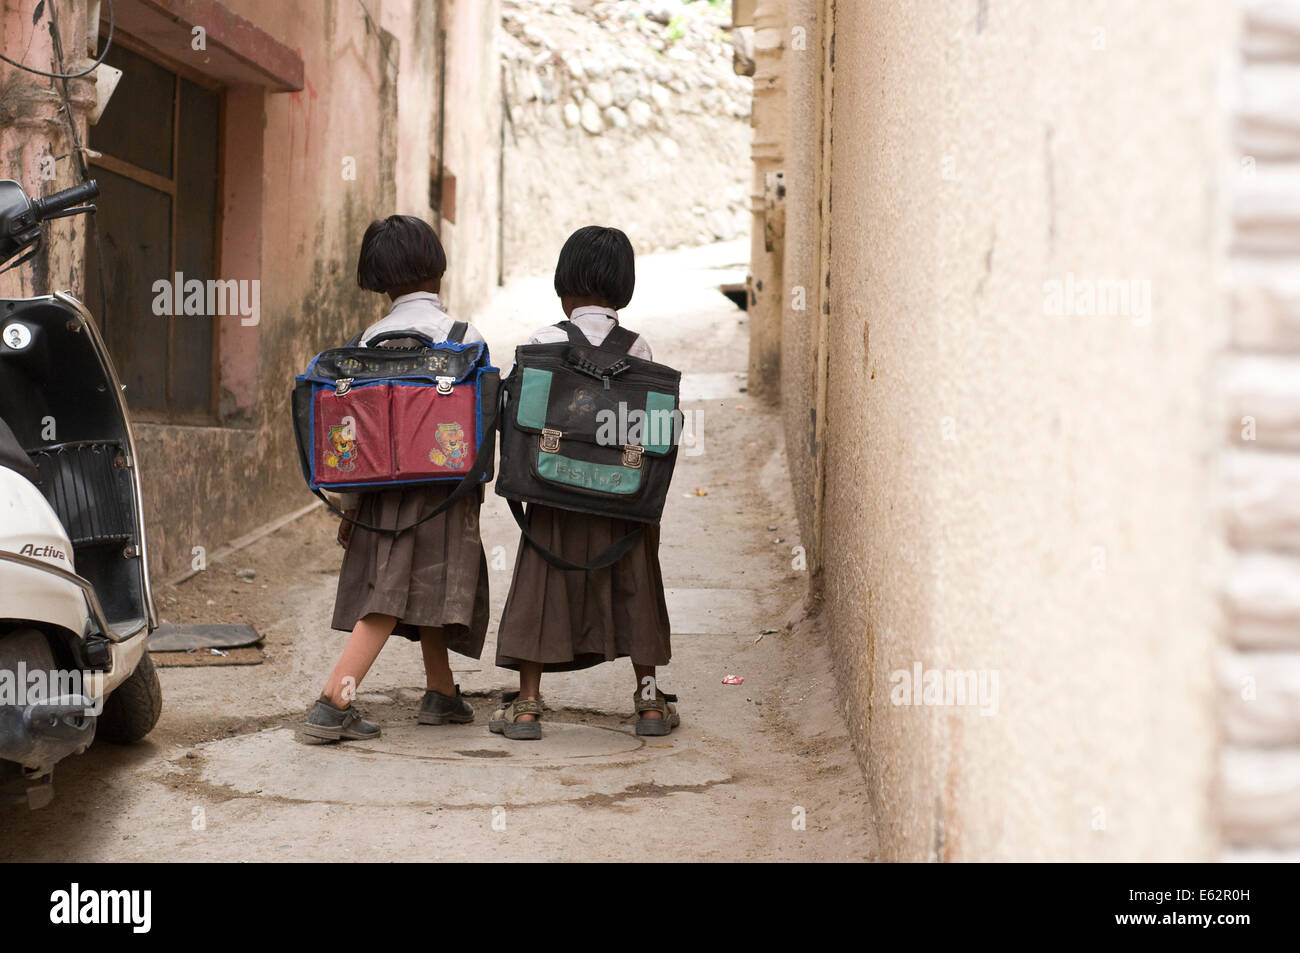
(43, 552)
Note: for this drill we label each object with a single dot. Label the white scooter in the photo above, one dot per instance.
(75, 604)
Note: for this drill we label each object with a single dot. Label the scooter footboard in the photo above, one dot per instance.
(89, 489)
(88, 485)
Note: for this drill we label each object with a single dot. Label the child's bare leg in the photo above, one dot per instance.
(362, 648)
(530, 685)
(642, 673)
(437, 667)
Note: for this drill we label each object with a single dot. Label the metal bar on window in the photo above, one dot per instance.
(125, 169)
(218, 262)
(170, 397)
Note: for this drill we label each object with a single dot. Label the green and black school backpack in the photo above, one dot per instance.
(590, 429)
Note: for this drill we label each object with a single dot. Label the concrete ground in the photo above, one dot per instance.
(758, 771)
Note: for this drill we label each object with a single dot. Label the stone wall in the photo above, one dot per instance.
(1259, 672)
(621, 113)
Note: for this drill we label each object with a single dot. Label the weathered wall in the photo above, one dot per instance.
(473, 150)
(34, 133)
(766, 234)
(621, 120)
(293, 217)
(1008, 490)
(207, 485)
(801, 298)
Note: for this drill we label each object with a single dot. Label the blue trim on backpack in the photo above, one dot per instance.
(445, 345)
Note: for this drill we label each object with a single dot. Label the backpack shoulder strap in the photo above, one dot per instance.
(355, 339)
(574, 332)
(602, 560)
(619, 340)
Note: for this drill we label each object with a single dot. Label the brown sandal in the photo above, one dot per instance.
(505, 720)
(663, 703)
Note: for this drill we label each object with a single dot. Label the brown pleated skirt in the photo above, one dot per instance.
(574, 620)
(435, 574)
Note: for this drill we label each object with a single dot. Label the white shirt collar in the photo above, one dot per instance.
(594, 311)
(418, 296)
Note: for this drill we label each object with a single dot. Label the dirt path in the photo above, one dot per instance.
(221, 778)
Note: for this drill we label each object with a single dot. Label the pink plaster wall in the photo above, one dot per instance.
(293, 219)
(33, 131)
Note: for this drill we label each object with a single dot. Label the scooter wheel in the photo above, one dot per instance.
(132, 710)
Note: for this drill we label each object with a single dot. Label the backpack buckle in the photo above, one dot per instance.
(342, 386)
(445, 384)
(551, 440)
(632, 456)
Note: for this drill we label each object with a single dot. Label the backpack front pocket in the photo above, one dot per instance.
(586, 468)
(435, 433)
(352, 442)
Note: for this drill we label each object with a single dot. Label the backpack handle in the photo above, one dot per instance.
(379, 339)
(456, 336)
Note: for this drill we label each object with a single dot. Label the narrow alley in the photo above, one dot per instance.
(758, 771)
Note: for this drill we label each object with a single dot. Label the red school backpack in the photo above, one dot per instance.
(369, 417)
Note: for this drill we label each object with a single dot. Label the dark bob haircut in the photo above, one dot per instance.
(597, 262)
(398, 252)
